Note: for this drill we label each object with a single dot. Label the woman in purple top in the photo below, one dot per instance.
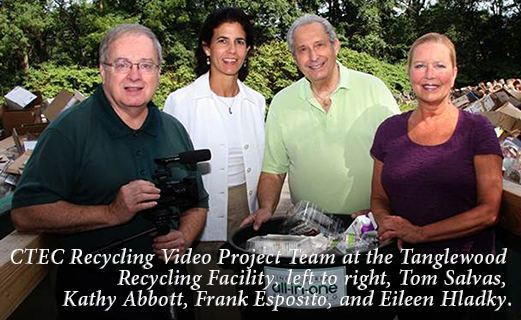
(437, 180)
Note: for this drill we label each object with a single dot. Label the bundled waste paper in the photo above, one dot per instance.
(511, 149)
(500, 102)
(24, 116)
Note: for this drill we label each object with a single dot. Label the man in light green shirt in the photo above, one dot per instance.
(320, 128)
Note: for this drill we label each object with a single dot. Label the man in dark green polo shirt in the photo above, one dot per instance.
(91, 174)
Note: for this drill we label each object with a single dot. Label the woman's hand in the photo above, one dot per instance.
(398, 227)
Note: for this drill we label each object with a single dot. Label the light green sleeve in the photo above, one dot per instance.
(388, 100)
(276, 159)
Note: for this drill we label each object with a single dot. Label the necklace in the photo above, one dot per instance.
(228, 102)
(324, 101)
(322, 98)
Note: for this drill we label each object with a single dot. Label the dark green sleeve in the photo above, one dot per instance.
(203, 195)
(49, 174)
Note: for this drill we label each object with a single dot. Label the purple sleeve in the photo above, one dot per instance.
(485, 140)
(377, 150)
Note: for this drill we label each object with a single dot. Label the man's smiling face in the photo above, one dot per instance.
(315, 55)
(135, 88)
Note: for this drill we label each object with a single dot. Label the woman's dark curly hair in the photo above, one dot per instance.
(213, 21)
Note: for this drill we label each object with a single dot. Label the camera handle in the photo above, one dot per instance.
(121, 242)
(161, 230)
(161, 226)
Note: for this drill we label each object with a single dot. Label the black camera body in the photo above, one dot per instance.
(175, 197)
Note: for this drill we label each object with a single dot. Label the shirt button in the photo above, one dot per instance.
(135, 134)
(138, 153)
(250, 192)
(246, 146)
(248, 170)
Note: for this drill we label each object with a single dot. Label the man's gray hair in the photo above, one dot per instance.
(122, 30)
(308, 19)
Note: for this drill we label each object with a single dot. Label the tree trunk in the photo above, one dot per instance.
(25, 62)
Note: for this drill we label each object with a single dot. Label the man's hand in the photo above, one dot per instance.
(257, 218)
(133, 197)
(268, 192)
(175, 239)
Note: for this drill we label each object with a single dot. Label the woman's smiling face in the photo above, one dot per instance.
(227, 50)
(432, 73)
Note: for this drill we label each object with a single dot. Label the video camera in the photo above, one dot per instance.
(176, 196)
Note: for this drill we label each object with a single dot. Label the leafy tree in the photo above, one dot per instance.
(49, 79)
(22, 24)
(50, 44)
(480, 37)
(78, 29)
(362, 23)
(272, 69)
(394, 76)
(176, 28)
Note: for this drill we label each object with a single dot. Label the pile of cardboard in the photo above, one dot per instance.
(24, 116)
(499, 101)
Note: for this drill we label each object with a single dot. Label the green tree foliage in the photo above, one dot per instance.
(272, 18)
(272, 69)
(484, 33)
(77, 31)
(363, 24)
(174, 23)
(22, 26)
(49, 79)
(394, 76)
(47, 45)
(171, 81)
(479, 30)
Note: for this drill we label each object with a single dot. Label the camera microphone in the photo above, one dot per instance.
(176, 196)
(195, 156)
(187, 157)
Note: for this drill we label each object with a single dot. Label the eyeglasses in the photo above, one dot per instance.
(124, 66)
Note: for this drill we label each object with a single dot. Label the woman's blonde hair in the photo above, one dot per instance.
(436, 38)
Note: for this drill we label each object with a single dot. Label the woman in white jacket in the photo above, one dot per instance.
(222, 114)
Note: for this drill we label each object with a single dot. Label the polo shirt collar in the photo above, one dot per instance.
(113, 123)
(202, 88)
(343, 83)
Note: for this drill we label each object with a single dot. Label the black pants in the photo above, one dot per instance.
(87, 282)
